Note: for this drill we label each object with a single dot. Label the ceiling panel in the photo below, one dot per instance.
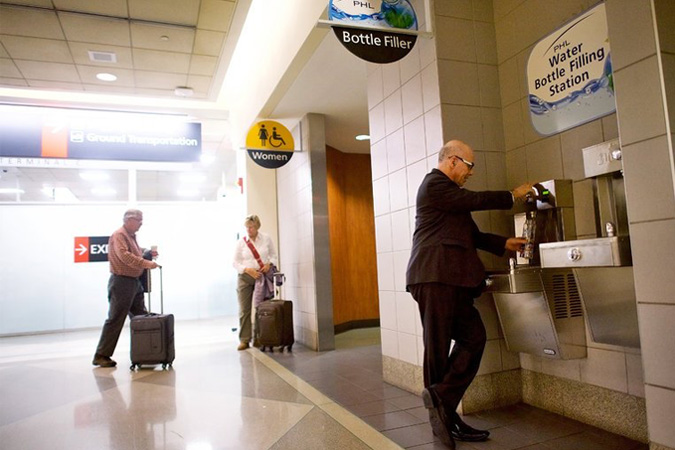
(59, 85)
(37, 70)
(215, 15)
(199, 83)
(109, 89)
(13, 81)
(35, 49)
(154, 60)
(115, 8)
(203, 65)
(160, 37)
(168, 11)
(160, 80)
(40, 3)
(208, 42)
(30, 22)
(9, 69)
(97, 30)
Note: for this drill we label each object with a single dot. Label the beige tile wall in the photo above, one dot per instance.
(476, 91)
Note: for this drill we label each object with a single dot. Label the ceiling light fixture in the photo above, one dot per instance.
(183, 91)
(11, 191)
(363, 137)
(103, 76)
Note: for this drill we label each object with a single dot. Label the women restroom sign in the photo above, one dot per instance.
(269, 144)
(569, 75)
(367, 24)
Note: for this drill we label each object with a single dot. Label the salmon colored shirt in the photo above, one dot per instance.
(125, 256)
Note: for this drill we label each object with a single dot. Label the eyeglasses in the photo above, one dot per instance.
(469, 164)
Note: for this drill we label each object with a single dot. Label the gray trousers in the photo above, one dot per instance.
(125, 297)
(245, 285)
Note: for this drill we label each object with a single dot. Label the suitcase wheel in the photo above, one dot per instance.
(132, 367)
(290, 348)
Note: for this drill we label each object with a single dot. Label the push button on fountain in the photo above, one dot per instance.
(574, 254)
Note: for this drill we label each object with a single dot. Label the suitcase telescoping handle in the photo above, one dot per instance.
(161, 291)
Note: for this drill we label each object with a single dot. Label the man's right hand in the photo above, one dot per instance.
(154, 265)
(522, 191)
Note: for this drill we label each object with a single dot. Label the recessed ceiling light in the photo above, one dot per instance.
(362, 137)
(183, 91)
(11, 191)
(106, 76)
(164, 38)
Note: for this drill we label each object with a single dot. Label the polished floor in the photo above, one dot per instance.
(215, 397)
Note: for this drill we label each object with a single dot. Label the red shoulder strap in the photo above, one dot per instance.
(256, 255)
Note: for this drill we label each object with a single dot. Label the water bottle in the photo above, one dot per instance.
(529, 228)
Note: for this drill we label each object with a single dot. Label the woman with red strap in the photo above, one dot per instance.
(253, 257)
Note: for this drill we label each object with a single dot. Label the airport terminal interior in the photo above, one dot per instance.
(323, 118)
(215, 398)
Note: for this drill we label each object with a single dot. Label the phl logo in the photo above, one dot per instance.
(91, 249)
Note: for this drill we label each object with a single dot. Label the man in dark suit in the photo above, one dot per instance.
(444, 275)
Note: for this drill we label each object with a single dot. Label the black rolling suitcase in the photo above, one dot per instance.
(275, 322)
(152, 335)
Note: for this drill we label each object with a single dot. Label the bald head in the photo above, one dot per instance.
(455, 147)
(455, 159)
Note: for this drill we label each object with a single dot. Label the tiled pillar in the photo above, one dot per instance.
(304, 245)
(643, 43)
(446, 88)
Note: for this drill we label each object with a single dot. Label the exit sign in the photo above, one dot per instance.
(91, 248)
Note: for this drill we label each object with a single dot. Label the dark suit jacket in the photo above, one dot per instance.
(446, 237)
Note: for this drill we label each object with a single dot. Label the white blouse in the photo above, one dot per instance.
(243, 257)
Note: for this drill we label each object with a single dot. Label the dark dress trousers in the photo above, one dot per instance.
(445, 274)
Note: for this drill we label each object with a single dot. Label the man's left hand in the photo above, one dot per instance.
(515, 244)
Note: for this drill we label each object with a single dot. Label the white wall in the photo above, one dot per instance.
(42, 289)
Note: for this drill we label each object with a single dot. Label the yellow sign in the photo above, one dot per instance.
(269, 135)
(269, 144)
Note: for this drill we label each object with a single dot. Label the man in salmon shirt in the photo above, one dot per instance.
(125, 293)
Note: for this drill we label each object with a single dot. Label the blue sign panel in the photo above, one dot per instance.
(77, 134)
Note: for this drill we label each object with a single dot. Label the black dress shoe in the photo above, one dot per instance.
(437, 417)
(464, 432)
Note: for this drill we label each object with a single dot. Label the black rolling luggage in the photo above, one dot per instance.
(152, 335)
(275, 322)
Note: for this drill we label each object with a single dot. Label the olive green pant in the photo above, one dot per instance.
(245, 285)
